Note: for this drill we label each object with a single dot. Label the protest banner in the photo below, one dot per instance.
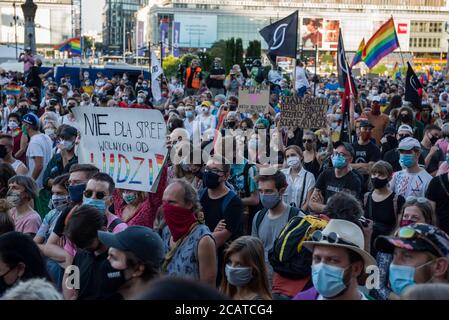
(127, 144)
(305, 113)
(254, 99)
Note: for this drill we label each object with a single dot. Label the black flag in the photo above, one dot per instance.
(282, 37)
(344, 70)
(412, 85)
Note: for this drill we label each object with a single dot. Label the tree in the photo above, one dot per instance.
(229, 54)
(254, 49)
(238, 58)
(327, 59)
(379, 69)
(218, 49)
(170, 66)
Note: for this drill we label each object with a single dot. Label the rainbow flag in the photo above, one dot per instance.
(72, 45)
(13, 90)
(384, 41)
(359, 53)
(395, 68)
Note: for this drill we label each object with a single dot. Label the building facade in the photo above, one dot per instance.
(53, 22)
(119, 25)
(197, 24)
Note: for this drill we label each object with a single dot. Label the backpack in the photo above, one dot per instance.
(288, 257)
(260, 77)
(114, 224)
(227, 198)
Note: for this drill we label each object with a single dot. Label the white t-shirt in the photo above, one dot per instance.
(301, 78)
(295, 188)
(66, 120)
(410, 184)
(40, 146)
(16, 164)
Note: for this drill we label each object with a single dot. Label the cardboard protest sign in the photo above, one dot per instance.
(254, 99)
(127, 144)
(305, 113)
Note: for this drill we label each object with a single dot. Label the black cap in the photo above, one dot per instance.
(68, 132)
(347, 146)
(143, 242)
(366, 123)
(390, 130)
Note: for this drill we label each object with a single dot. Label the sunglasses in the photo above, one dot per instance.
(418, 199)
(332, 237)
(404, 135)
(100, 195)
(307, 140)
(410, 233)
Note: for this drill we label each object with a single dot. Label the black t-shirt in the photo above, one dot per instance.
(313, 167)
(392, 157)
(60, 223)
(98, 280)
(440, 195)
(214, 83)
(434, 163)
(366, 153)
(329, 184)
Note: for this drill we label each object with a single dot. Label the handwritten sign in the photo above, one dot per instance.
(127, 144)
(255, 99)
(305, 113)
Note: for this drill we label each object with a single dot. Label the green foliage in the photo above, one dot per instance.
(379, 69)
(229, 54)
(254, 49)
(187, 59)
(218, 49)
(238, 57)
(170, 66)
(327, 58)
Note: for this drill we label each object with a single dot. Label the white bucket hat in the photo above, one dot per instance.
(349, 236)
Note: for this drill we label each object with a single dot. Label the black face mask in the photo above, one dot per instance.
(3, 151)
(211, 180)
(433, 140)
(198, 174)
(406, 118)
(379, 183)
(392, 141)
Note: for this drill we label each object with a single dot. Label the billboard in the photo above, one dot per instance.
(312, 33)
(331, 31)
(196, 31)
(175, 39)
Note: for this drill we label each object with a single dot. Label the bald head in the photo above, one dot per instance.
(175, 194)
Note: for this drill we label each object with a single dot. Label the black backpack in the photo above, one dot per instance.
(288, 257)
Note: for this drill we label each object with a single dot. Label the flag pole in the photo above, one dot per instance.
(295, 59)
(399, 44)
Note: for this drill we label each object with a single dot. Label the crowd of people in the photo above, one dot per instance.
(284, 213)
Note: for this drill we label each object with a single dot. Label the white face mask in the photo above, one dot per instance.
(140, 100)
(293, 162)
(13, 125)
(49, 132)
(204, 110)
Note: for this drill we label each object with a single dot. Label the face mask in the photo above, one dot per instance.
(328, 280)
(59, 201)
(338, 161)
(204, 110)
(217, 104)
(145, 85)
(231, 124)
(97, 203)
(76, 192)
(433, 140)
(49, 132)
(293, 162)
(13, 125)
(238, 276)
(379, 183)
(140, 100)
(189, 114)
(10, 102)
(252, 144)
(61, 91)
(178, 219)
(447, 159)
(86, 75)
(401, 277)
(3, 152)
(366, 136)
(67, 145)
(14, 198)
(407, 160)
(334, 125)
(269, 201)
(129, 197)
(211, 180)
(406, 118)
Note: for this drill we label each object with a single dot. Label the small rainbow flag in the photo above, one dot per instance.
(72, 45)
(395, 68)
(13, 90)
(358, 54)
(384, 41)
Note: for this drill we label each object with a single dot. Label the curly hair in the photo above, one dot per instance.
(344, 206)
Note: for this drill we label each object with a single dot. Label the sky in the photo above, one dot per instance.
(92, 15)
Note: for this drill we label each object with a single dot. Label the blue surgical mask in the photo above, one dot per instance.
(270, 201)
(293, 162)
(334, 125)
(217, 104)
(338, 117)
(238, 276)
(97, 203)
(328, 280)
(339, 161)
(189, 114)
(447, 159)
(76, 192)
(401, 277)
(407, 160)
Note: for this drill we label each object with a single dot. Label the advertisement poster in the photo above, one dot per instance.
(331, 29)
(312, 31)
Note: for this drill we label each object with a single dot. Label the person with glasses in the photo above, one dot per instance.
(300, 181)
(392, 156)
(311, 162)
(412, 180)
(337, 179)
(433, 157)
(339, 263)
(414, 210)
(221, 205)
(420, 255)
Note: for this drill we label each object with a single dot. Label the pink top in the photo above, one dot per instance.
(26, 223)
(146, 211)
(442, 144)
(70, 247)
(444, 168)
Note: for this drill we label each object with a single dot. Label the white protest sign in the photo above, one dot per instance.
(127, 144)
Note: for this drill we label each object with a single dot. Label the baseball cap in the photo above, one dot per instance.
(365, 123)
(347, 146)
(409, 143)
(31, 119)
(389, 130)
(143, 242)
(416, 237)
(405, 127)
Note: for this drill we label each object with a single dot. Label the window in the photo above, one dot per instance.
(425, 42)
(419, 42)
